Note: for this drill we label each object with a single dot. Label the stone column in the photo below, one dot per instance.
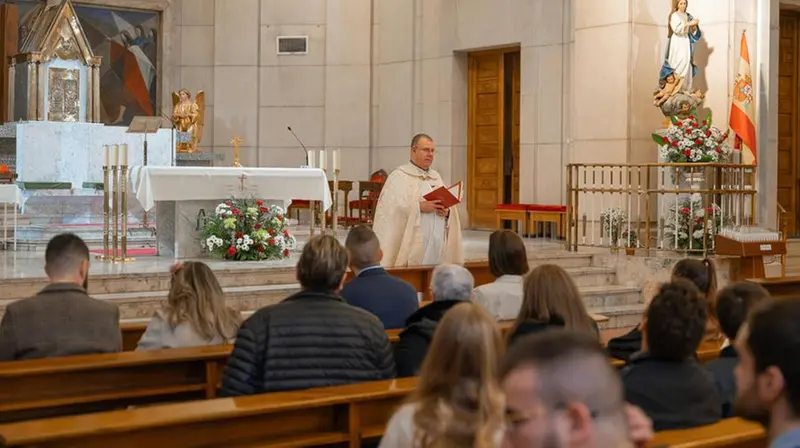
(12, 75)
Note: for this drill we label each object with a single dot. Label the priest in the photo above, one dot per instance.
(413, 231)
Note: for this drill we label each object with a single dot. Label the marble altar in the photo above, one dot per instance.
(183, 196)
(73, 152)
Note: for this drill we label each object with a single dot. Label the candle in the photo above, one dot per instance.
(105, 155)
(311, 155)
(336, 160)
(115, 155)
(124, 156)
(323, 158)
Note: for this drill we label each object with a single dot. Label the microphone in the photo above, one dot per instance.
(299, 141)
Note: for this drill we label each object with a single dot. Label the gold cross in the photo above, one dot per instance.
(236, 141)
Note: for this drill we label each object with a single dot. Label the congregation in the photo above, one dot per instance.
(547, 382)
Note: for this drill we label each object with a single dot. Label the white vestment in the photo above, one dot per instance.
(407, 236)
(679, 55)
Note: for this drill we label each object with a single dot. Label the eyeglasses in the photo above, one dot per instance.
(426, 150)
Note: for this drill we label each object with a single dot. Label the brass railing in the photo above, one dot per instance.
(657, 205)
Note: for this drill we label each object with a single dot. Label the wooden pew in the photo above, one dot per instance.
(87, 383)
(779, 287)
(729, 433)
(316, 417)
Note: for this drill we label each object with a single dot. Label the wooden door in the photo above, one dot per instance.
(490, 110)
(788, 117)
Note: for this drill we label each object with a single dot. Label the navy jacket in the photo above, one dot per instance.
(722, 369)
(410, 350)
(391, 299)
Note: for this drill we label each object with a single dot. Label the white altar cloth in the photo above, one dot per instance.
(153, 184)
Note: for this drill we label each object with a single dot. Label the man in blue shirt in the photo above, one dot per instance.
(768, 372)
(390, 299)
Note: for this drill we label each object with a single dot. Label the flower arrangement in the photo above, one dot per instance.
(689, 140)
(247, 230)
(612, 220)
(630, 239)
(687, 219)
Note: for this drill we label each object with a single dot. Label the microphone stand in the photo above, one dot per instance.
(289, 128)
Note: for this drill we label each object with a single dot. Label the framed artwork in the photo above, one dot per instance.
(127, 40)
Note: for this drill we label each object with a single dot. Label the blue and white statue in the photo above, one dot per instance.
(678, 70)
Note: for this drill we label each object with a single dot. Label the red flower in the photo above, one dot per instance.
(231, 251)
(257, 226)
(708, 133)
(271, 232)
(678, 124)
(280, 217)
(239, 234)
(286, 233)
(259, 203)
(675, 144)
(271, 241)
(688, 132)
(695, 124)
(260, 248)
(685, 211)
(235, 211)
(228, 203)
(691, 117)
(699, 220)
(263, 210)
(286, 252)
(698, 142)
(687, 153)
(665, 140)
(718, 149)
(710, 209)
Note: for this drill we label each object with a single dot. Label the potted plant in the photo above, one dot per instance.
(612, 221)
(631, 241)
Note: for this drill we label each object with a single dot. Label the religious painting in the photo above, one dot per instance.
(127, 40)
(64, 95)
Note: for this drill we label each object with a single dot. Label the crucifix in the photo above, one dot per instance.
(242, 178)
(236, 142)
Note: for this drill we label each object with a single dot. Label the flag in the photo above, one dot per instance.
(742, 117)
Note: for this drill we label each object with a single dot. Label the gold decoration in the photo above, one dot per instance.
(64, 95)
(188, 117)
(236, 142)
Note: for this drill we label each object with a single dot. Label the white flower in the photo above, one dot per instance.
(697, 234)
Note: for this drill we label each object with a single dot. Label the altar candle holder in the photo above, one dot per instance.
(312, 211)
(335, 214)
(123, 181)
(106, 193)
(323, 224)
(115, 207)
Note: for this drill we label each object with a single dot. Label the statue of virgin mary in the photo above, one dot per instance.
(684, 32)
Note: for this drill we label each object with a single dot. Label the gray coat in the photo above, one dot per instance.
(61, 320)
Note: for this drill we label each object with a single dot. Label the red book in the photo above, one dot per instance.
(449, 196)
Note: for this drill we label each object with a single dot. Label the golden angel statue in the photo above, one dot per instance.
(188, 117)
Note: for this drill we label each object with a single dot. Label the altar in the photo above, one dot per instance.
(183, 196)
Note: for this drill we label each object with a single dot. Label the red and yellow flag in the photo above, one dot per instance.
(742, 117)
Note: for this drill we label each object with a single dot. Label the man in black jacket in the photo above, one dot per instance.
(450, 286)
(311, 339)
(665, 379)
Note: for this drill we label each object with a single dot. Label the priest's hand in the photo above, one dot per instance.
(430, 206)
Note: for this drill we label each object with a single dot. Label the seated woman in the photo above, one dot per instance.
(551, 298)
(458, 401)
(508, 261)
(195, 314)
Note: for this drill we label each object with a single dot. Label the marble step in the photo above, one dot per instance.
(620, 316)
(593, 276)
(609, 296)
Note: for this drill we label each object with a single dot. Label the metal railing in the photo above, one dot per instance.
(665, 206)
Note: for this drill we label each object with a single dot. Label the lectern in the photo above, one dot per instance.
(751, 253)
(150, 125)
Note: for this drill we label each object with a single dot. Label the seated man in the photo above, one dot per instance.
(665, 379)
(733, 305)
(450, 285)
(372, 288)
(312, 338)
(768, 373)
(61, 320)
(561, 391)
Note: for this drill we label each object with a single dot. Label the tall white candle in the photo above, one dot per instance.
(124, 155)
(115, 155)
(311, 155)
(105, 155)
(337, 163)
(323, 158)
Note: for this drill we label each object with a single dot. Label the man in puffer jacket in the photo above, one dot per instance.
(312, 338)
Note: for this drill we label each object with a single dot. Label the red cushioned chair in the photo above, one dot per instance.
(368, 193)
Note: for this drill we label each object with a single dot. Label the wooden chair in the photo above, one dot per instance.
(368, 194)
(555, 214)
(345, 187)
(379, 176)
(516, 213)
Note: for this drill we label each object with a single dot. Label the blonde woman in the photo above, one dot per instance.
(195, 314)
(458, 401)
(551, 299)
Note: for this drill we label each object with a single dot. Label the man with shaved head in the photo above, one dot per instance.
(562, 392)
(412, 230)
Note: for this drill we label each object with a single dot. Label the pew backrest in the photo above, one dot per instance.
(728, 433)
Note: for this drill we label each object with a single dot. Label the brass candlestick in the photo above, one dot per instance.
(312, 209)
(335, 214)
(123, 181)
(115, 207)
(106, 211)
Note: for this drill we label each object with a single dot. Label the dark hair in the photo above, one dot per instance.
(415, 140)
(774, 340)
(734, 302)
(676, 321)
(550, 346)
(322, 264)
(64, 254)
(507, 255)
(704, 276)
(362, 246)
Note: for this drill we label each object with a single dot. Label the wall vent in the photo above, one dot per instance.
(292, 44)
